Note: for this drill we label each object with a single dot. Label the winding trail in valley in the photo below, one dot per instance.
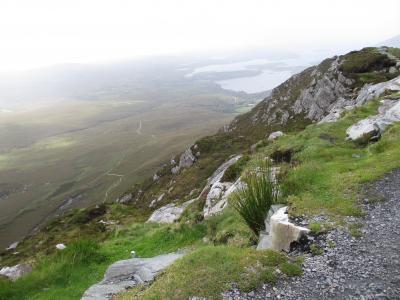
(120, 177)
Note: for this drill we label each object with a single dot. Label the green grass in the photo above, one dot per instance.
(395, 51)
(328, 173)
(209, 271)
(355, 229)
(67, 274)
(230, 229)
(361, 66)
(316, 250)
(324, 175)
(291, 269)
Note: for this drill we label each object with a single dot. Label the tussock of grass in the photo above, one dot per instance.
(291, 269)
(255, 199)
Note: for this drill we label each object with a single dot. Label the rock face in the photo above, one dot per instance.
(128, 273)
(317, 94)
(369, 92)
(12, 246)
(281, 232)
(324, 90)
(218, 192)
(187, 159)
(217, 198)
(169, 213)
(15, 272)
(275, 135)
(370, 129)
(155, 201)
(125, 198)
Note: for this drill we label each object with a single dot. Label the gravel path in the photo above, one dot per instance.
(357, 268)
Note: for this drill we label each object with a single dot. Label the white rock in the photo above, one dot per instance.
(218, 192)
(111, 222)
(369, 92)
(366, 129)
(275, 135)
(175, 170)
(125, 198)
(15, 272)
(392, 70)
(155, 177)
(169, 213)
(155, 201)
(61, 246)
(133, 254)
(282, 232)
(372, 128)
(118, 277)
(187, 159)
(12, 246)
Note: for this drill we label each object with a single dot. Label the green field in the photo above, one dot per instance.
(73, 153)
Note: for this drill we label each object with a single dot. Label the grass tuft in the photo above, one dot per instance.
(254, 201)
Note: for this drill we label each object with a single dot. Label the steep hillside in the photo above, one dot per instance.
(318, 91)
(320, 175)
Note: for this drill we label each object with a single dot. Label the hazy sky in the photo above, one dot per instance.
(44, 32)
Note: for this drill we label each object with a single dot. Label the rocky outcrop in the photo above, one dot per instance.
(13, 246)
(125, 198)
(318, 94)
(128, 273)
(280, 232)
(217, 191)
(370, 129)
(187, 159)
(15, 272)
(217, 198)
(324, 90)
(369, 92)
(154, 202)
(275, 135)
(169, 213)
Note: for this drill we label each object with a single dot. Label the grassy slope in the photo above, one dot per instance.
(75, 154)
(330, 170)
(325, 176)
(326, 179)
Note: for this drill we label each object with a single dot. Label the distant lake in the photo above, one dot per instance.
(254, 84)
(230, 67)
(269, 73)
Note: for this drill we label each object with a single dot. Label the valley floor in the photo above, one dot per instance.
(363, 267)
